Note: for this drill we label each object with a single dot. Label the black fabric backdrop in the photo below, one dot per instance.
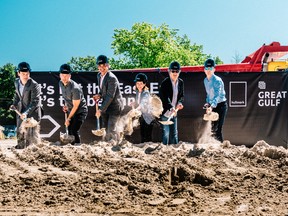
(257, 106)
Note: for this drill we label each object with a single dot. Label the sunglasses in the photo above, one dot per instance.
(208, 68)
(175, 71)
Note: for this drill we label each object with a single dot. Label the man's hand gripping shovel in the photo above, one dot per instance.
(65, 138)
(27, 122)
(98, 131)
(210, 115)
(168, 121)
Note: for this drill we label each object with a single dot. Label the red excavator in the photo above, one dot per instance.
(265, 59)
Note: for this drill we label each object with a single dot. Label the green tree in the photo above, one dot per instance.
(83, 63)
(7, 77)
(147, 46)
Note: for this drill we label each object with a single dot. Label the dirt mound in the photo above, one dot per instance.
(144, 179)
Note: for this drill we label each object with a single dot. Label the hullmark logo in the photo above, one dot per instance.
(269, 98)
(238, 94)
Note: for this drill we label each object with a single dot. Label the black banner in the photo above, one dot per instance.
(257, 106)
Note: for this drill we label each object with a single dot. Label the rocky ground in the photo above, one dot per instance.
(144, 179)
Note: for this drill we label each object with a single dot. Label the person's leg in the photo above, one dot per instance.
(146, 130)
(174, 132)
(221, 109)
(104, 120)
(112, 128)
(142, 129)
(149, 129)
(76, 124)
(165, 131)
(21, 141)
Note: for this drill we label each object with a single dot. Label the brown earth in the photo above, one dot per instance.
(143, 179)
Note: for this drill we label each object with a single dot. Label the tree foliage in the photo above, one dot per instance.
(147, 46)
(83, 63)
(7, 77)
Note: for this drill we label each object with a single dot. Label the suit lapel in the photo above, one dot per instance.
(17, 88)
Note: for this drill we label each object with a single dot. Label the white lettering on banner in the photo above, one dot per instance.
(50, 90)
(272, 94)
(90, 101)
(127, 101)
(48, 93)
(154, 88)
(49, 101)
(237, 102)
(271, 98)
(128, 89)
(268, 102)
(92, 88)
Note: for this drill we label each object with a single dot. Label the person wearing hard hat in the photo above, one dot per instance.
(27, 101)
(172, 97)
(74, 103)
(216, 98)
(112, 101)
(142, 102)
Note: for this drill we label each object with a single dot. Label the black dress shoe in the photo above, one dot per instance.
(19, 147)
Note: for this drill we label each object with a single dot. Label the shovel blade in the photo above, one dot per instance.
(29, 123)
(213, 116)
(166, 122)
(99, 132)
(66, 138)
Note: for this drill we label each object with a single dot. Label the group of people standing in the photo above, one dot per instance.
(28, 102)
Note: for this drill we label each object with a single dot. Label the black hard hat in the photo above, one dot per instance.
(174, 65)
(24, 67)
(102, 59)
(209, 63)
(141, 77)
(65, 69)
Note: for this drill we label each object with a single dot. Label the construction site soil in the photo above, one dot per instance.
(143, 179)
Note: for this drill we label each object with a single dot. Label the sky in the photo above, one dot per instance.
(48, 33)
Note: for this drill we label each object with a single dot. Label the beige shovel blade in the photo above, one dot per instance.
(166, 122)
(66, 138)
(212, 116)
(99, 132)
(29, 122)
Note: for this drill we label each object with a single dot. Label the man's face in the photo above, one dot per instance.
(103, 68)
(209, 71)
(65, 78)
(24, 76)
(174, 74)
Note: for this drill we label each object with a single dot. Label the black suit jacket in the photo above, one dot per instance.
(30, 101)
(166, 93)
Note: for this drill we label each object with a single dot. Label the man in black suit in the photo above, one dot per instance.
(172, 97)
(112, 101)
(28, 102)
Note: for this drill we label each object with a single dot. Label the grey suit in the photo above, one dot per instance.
(112, 101)
(29, 103)
(112, 104)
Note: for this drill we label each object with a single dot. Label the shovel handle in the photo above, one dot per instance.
(66, 128)
(172, 114)
(98, 124)
(14, 109)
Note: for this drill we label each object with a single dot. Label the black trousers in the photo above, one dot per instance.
(75, 125)
(145, 130)
(221, 109)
